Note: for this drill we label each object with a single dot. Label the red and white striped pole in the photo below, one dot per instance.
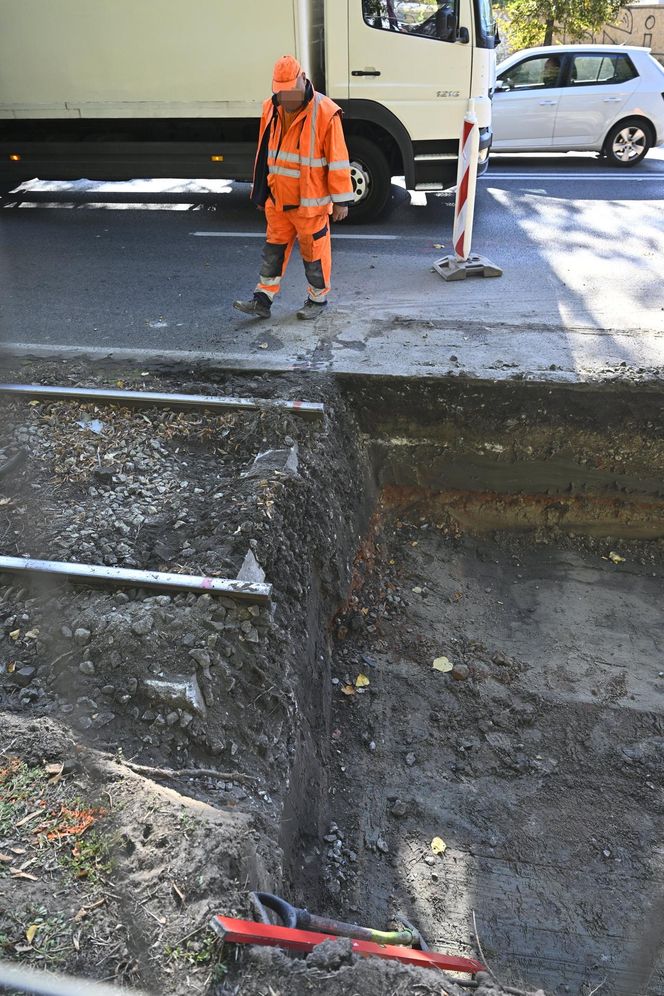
(464, 206)
(462, 263)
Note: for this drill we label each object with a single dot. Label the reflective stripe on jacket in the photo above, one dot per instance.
(308, 166)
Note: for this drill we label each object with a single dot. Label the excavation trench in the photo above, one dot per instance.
(513, 532)
(517, 532)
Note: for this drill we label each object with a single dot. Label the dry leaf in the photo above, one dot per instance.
(30, 816)
(15, 633)
(615, 558)
(17, 850)
(76, 940)
(18, 874)
(5, 501)
(438, 845)
(262, 345)
(32, 634)
(32, 403)
(31, 931)
(348, 689)
(361, 681)
(442, 664)
(6, 858)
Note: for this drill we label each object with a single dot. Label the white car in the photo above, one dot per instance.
(563, 98)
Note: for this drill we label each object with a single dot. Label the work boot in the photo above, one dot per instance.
(311, 310)
(259, 306)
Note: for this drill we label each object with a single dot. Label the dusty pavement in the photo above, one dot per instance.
(313, 749)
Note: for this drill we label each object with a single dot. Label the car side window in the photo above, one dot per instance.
(538, 73)
(593, 69)
(411, 17)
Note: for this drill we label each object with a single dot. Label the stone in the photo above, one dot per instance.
(142, 626)
(102, 719)
(410, 759)
(87, 667)
(177, 692)
(23, 676)
(201, 657)
(460, 672)
(251, 571)
(172, 718)
(84, 722)
(400, 808)
(82, 636)
(382, 845)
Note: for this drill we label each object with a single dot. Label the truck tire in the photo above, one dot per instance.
(628, 142)
(371, 178)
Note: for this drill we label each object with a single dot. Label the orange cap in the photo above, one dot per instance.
(285, 74)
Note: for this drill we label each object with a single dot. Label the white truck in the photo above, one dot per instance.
(118, 89)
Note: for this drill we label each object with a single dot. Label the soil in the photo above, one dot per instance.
(326, 753)
(537, 759)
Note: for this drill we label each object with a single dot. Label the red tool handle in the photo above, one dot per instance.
(248, 932)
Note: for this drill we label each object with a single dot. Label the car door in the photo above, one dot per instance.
(400, 58)
(599, 84)
(525, 103)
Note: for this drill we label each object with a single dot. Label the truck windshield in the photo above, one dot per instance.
(486, 24)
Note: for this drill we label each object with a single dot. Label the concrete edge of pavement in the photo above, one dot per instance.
(217, 361)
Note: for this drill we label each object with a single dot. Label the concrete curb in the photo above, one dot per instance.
(169, 360)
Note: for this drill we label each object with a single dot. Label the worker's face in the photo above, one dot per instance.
(292, 100)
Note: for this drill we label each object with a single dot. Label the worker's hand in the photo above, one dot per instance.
(339, 212)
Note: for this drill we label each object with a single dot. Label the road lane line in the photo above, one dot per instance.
(569, 176)
(261, 235)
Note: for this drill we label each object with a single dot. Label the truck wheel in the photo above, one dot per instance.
(627, 143)
(371, 178)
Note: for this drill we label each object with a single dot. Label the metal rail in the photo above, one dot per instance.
(23, 979)
(245, 591)
(307, 409)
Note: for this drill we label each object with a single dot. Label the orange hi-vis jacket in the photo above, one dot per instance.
(308, 166)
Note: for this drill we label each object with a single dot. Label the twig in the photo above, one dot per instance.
(597, 988)
(226, 776)
(67, 653)
(507, 989)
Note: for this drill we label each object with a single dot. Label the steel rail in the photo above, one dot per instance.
(22, 979)
(307, 409)
(245, 591)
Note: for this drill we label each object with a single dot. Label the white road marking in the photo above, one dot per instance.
(491, 175)
(261, 235)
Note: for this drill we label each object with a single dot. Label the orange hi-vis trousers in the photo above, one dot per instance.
(313, 236)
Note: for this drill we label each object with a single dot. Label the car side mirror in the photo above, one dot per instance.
(463, 36)
(502, 85)
(446, 23)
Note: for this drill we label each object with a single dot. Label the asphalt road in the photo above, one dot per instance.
(156, 264)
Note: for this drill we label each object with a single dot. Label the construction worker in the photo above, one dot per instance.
(301, 178)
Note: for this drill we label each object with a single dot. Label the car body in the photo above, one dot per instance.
(588, 98)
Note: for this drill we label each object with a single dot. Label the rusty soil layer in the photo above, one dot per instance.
(513, 532)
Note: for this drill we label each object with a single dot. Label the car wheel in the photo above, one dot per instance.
(372, 183)
(627, 143)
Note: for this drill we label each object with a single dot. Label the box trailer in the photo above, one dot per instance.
(115, 89)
